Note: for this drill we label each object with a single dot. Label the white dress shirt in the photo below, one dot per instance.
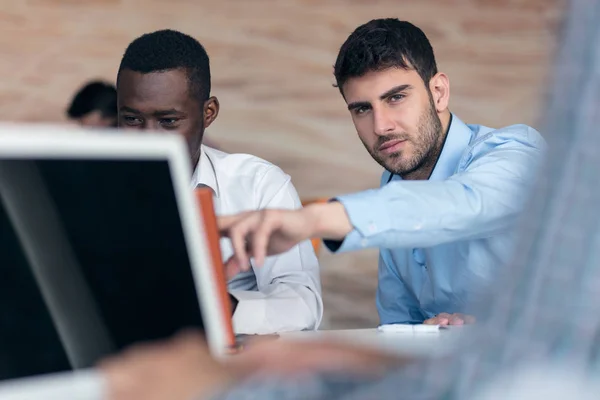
(285, 293)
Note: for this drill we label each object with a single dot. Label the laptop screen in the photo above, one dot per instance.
(29, 342)
(121, 221)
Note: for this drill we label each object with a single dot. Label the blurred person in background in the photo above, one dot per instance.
(94, 105)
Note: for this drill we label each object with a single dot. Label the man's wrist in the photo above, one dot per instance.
(329, 220)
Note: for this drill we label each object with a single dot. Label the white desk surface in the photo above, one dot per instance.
(409, 344)
(88, 385)
(81, 385)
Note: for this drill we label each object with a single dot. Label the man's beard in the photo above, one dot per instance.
(424, 146)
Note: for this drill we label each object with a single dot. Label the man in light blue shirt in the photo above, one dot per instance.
(449, 198)
(441, 240)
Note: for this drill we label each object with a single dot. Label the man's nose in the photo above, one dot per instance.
(383, 124)
(153, 125)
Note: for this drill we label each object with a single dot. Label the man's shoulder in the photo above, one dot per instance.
(519, 144)
(240, 164)
(246, 181)
(517, 134)
(485, 140)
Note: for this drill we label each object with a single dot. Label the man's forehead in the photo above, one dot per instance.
(163, 82)
(156, 89)
(373, 84)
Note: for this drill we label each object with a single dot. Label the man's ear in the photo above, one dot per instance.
(211, 111)
(439, 87)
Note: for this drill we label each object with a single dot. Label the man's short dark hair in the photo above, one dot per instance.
(94, 96)
(166, 50)
(385, 43)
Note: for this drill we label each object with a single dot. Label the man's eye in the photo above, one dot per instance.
(130, 120)
(168, 121)
(397, 97)
(361, 110)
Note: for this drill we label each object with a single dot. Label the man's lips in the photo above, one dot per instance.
(391, 145)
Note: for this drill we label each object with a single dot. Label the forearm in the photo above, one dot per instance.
(481, 201)
(425, 214)
(280, 307)
(330, 220)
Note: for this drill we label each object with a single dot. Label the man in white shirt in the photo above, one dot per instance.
(164, 84)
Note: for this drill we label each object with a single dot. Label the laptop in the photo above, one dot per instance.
(103, 244)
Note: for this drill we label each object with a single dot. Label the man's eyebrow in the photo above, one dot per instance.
(129, 109)
(358, 104)
(394, 90)
(162, 113)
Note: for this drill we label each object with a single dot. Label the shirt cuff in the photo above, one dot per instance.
(352, 241)
(250, 315)
(367, 215)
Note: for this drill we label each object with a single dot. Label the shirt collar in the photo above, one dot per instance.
(457, 141)
(205, 174)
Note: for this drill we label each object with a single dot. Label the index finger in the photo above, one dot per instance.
(225, 222)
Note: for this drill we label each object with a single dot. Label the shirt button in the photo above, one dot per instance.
(363, 243)
(372, 228)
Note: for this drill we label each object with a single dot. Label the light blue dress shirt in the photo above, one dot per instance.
(441, 240)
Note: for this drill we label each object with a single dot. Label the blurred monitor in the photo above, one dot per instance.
(101, 246)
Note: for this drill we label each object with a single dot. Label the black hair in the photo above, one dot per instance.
(167, 50)
(384, 43)
(94, 96)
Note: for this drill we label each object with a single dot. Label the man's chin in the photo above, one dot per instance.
(393, 164)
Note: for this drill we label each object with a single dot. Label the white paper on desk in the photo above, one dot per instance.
(407, 328)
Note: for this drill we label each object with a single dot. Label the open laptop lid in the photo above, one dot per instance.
(106, 246)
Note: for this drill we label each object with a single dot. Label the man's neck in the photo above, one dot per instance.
(424, 171)
(196, 158)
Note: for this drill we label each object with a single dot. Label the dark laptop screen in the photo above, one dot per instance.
(122, 222)
(29, 342)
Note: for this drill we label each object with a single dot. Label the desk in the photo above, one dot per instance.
(406, 344)
(79, 385)
(88, 385)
